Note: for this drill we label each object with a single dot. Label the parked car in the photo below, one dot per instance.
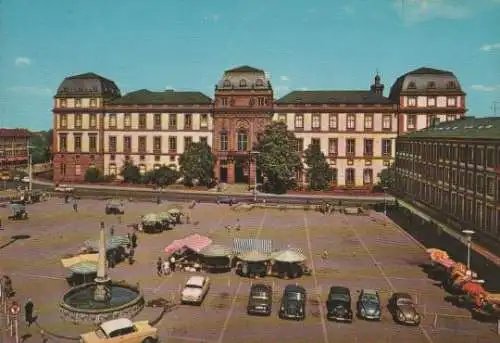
(227, 200)
(195, 290)
(63, 188)
(338, 304)
(368, 305)
(293, 303)
(122, 330)
(114, 207)
(403, 309)
(260, 300)
(25, 179)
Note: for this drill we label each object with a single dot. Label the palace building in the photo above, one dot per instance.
(96, 126)
(14, 145)
(454, 168)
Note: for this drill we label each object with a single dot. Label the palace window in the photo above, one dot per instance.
(127, 144)
(112, 121)
(386, 122)
(226, 83)
(62, 103)
(282, 117)
(490, 157)
(204, 120)
(351, 122)
(187, 142)
(350, 175)
(224, 141)
(225, 102)
(316, 142)
(93, 121)
(142, 121)
(261, 101)
(259, 83)
(78, 142)
(333, 144)
(451, 85)
(127, 121)
(64, 120)
(368, 176)
(172, 144)
(431, 101)
(243, 83)
(112, 144)
(93, 103)
(386, 147)
(333, 121)
(157, 121)
(78, 169)
(299, 121)
(78, 121)
(350, 146)
(242, 140)
(316, 121)
(412, 85)
(368, 147)
(368, 121)
(334, 178)
(412, 101)
(63, 142)
(157, 144)
(78, 103)
(142, 144)
(204, 140)
(450, 117)
(490, 186)
(172, 121)
(92, 143)
(188, 121)
(451, 101)
(411, 121)
(299, 144)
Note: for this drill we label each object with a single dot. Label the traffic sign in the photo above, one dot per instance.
(15, 309)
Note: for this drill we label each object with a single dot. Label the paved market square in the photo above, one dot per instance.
(365, 251)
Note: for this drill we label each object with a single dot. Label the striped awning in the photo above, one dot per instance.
(194, 242)
(244, 245)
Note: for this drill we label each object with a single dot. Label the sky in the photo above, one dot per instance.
(187, 45)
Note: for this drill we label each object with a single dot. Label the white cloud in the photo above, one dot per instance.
(284, 78)
(484, 88)
(32, 90)
(489, 47)
(22, 61)
(417, 11)
(212, 18)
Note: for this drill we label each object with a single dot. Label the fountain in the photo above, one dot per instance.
(101, 300)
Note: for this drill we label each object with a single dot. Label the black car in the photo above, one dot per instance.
(338, 305)
(368, 305)
(402, 308)
(260, 300)
(293, 303)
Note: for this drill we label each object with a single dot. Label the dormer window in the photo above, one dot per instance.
(412, 85)
(451, 85)
(243, 83)
(431, 85)
(259, 83)
(227, 83)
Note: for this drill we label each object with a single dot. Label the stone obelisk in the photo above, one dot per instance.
(102, 292)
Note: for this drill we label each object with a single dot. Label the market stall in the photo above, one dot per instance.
(186, 252)
(253, 264)
(288, 263)
(216, 257)
(83, 268)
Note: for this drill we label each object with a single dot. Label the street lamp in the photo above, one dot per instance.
(468, 234)
(30, 168)
(255, 154)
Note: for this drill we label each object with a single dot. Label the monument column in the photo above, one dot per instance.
(102, 292)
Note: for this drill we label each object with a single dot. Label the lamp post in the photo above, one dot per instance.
(255, 154)
(468, 234)
(385, 200)
(30, 168)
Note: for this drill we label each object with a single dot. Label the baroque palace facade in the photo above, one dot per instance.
(95, 126)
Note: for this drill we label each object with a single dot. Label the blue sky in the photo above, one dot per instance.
(187, 44)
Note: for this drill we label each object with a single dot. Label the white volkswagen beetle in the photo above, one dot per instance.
(195, 290)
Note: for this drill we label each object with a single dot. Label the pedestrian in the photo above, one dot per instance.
(158, 200)
(28, 312)
(66, 199)
(172, 263)
(75, 206)
(112, 230)
(187, 218)
(166, 267)
(131, 254)
(44, 337)
(129, 241)
(159, 267)
(134, 240)
(112, 258)
(324, 255)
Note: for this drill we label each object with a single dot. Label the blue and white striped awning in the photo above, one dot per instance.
(243, 245)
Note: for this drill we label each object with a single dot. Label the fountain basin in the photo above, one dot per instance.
(78, 304)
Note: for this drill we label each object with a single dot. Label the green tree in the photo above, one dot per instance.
(318, 169)
(163, 176)
(93, 174)
(277, 159)
(41, 146)
(131, 173)
(387, 177)
(197, 163)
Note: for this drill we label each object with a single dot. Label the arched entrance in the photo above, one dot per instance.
(223, 172)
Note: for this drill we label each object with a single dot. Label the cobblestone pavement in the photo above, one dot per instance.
(363, 253)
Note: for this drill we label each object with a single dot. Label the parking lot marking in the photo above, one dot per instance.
(37, 276)
(235, 296)
(189, 339)
(379, 267)
(315, 279)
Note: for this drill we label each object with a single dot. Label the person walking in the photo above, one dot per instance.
(43, 336)
(166, 267)
(159, 267)
(28, 312)
(112, 230)
(324, 255)
(75, 205)
(131, 254)
(133, 238)
(172, 263)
